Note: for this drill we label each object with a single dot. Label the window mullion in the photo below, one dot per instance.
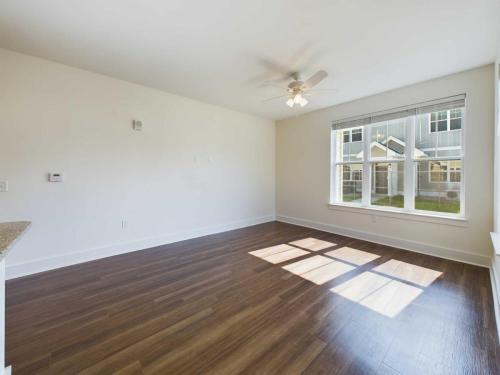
(409, 178)
(366, 183)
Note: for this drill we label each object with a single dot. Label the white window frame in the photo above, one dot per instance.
(410, 163)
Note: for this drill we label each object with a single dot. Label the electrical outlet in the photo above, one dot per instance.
(4, 186)
(124, 224)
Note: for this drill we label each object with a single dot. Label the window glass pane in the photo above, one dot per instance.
(425, 137)
(449, 144)
(434, 189)
(442, 115)
(455, 167)
(432, 139)
(349, 184)
(356, 135)
(345, 151)
(346, 136)
(438, 171)
(455, 124)
(356, 175)
(442, 126)
(388, 184)
(348, 151)
(388, 139)
(456, 113)
(346, 172)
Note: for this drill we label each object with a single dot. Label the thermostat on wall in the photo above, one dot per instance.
(137, 125)
(55, 177)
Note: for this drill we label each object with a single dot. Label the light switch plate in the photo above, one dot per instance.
(4, 186)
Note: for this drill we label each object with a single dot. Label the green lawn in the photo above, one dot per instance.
(395, 201)
(350, 197)
(421, 203)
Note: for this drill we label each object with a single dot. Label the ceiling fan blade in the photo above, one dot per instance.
(315, 79)
(275, 97)
(320, 90)
(274, 84)
(276, 72)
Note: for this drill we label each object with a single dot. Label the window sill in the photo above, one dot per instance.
(402, 215)
(495, 239)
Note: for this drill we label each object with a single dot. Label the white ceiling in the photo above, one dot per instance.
(220, 51)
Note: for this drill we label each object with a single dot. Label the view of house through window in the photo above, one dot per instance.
(427, 177)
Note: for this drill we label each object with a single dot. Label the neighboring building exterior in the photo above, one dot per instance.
(437, 135)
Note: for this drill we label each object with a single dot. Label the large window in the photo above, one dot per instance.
(373, 167)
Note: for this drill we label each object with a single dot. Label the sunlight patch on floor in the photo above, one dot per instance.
(327, 272)
(313, 244)
(353, 256)
(306, 265)
(387, 288)
(271, 250)
(378, 293)
(285, 255)
(409, 272)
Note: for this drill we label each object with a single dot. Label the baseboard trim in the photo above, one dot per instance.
(415, 246)
(496, 297)
(68, 259)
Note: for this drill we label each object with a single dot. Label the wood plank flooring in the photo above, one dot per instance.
(207, 306)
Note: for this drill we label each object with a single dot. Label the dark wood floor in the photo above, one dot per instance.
(207, 306)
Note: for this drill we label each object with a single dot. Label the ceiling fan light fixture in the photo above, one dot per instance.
(297, 88)
(296, 99)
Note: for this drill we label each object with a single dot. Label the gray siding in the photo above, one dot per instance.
(425, 140)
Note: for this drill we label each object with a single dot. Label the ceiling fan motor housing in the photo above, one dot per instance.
(295, 86)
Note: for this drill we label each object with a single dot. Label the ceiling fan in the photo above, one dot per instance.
(298, 89)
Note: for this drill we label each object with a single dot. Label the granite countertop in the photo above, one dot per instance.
(9, 233)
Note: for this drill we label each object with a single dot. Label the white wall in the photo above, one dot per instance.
(495, 258)
(303, 171)
(194, 169)
(496, 197)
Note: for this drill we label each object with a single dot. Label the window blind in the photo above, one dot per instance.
(442, 104)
